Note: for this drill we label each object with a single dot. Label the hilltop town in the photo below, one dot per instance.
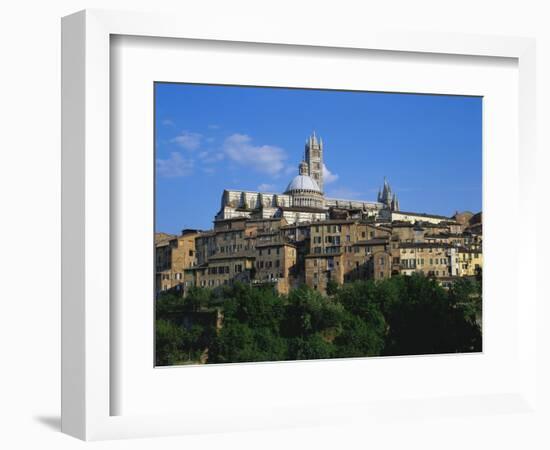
(303, 237)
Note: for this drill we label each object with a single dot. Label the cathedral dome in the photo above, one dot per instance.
(304, 183)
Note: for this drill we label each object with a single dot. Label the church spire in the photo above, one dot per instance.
(387, 197)
(314, 159)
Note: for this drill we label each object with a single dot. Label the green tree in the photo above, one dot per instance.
(363, 326)
(309, 347)
(168, 343)
(424, 318)
(332, 288)
(359, 338)
(308, 312)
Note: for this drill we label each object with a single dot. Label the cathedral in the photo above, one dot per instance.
(304, 199)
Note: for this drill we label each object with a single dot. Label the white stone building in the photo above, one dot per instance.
(304, 199)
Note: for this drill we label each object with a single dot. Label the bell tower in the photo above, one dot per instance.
(314, 159)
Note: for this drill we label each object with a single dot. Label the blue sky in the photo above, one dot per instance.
(213, 137)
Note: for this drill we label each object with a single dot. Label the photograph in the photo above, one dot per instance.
(302, 224)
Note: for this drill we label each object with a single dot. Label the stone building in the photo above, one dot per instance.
(321, 269)
(173, 255)
(221, 270)
(470, 261)
(431, 259)
(276, 264)
(303, 199)
(413, 217)
(302, 237)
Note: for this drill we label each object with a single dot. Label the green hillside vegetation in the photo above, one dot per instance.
(403, 315)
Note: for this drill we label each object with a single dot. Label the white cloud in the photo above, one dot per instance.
(328, 176)
(213, 127)
(214, 158)
(267, 159)
(210, 157)
(290, 170)
(266, 187)
(188, 140)
(175, 166)
(168, 123)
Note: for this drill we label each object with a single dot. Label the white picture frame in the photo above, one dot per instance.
(87, 385)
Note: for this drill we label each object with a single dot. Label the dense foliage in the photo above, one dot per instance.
(403, 315)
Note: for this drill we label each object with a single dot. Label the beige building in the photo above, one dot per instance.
(381, 265)
(431, 259)
(470, 261)
(174, 254)
(301, 236)
(413, 217)
(320, 269)
(220, 271)
(276, 263)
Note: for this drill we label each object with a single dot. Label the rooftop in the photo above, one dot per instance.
(302, 209)
(236, 255)
(435, 216)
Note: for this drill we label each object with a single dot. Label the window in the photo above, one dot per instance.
(277, 263)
